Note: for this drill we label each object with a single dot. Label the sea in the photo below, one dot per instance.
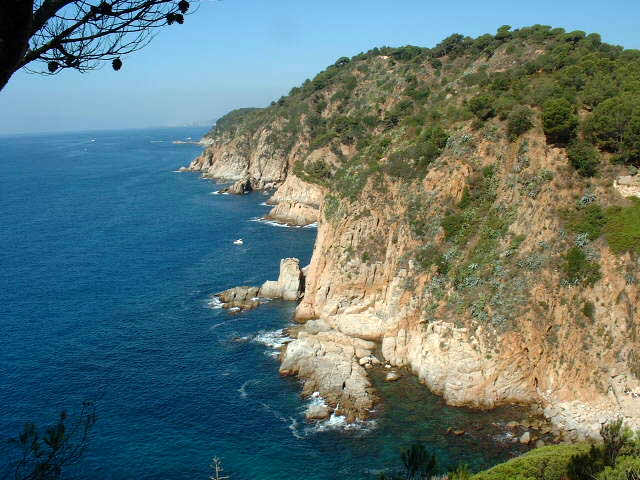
(108, 262)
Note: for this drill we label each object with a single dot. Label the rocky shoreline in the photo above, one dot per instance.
(353, 309)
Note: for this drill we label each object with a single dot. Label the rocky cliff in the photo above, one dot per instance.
(476, 221)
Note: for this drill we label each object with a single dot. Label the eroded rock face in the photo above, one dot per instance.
(327, 362)
(290, 283)
(296, 202)
(241, 187)
(244, 298)
(543, 358)
(254, 163)
(289, 286)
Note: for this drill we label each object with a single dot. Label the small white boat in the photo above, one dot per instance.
(238, 242)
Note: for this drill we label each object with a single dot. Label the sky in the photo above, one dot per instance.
(244, 53)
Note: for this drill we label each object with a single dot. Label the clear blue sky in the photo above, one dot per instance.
(238, 53)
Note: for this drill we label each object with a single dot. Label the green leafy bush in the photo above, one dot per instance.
(626, 468)
(589, 219)
(429, 255)
(623, 228)
(615, 126)
(482, 106)
(559, 121)
(584, 158)
(578, 269)
(546, 463)
(519, 121)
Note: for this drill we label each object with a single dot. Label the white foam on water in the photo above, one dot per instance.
(234, 309)
(274, 339)
(155, 141)
(243, 388)
(215, 303)
(265, 204)
(292, 422)
(339, 422)
(271, 222)
(504, 437)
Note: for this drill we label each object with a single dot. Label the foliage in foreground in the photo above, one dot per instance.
(43, 454)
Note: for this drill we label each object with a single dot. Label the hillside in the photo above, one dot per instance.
(478, 220)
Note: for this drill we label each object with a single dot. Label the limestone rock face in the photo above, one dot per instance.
(628, 186)
(290, 283)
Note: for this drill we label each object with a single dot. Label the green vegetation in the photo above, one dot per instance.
(548, 463)
(623, 228)
(371, 129)
(584, 157)
(578, 269)
(615, 126)
(589, 219)
(417, 463)
(482, 107)
(519, 121)
(559, 121)
(47, 453)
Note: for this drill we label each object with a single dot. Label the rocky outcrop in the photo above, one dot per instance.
(296, 202)
(253, 163)
(628, 186)
(541, 359)
(241, 187)
(236, 157)
(239, 298)
(289, 286)
(290, 283)
(327, 362)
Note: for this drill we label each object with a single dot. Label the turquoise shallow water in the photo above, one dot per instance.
(108, 261)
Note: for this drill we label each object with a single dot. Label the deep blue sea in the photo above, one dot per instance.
(108, 260)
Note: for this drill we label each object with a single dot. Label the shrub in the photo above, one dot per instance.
(482, 107)
(578, 269)
(615, 126)
(430, 255)
(585, 466)
(626, 468)
(453, 225)
(589, 219)
(546, 463)
(622, 229)
(519, 121)
(589, 310)
(584, 158)
(559, 121)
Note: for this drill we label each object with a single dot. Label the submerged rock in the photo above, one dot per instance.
(317, 411)
(392, 376)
